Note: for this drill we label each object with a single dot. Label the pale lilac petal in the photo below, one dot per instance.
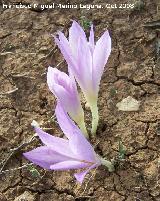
(100, 56)
(45, 157)
(64, 88)
(68, 165)
(65, 50)
(78, 143)
(57, 144)
(64, 40)
(84, 61)
(54, 76)
(65, 123)
(80, 176)
(81, 147)
(75, 32)
(91, 39)
(70, 103)
(61, 79)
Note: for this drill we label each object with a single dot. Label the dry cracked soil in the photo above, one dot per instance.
(133, 69)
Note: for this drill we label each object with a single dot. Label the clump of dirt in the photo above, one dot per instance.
(27, 49)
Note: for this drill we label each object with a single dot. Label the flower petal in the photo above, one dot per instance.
(70, 103)
(64, 88)
(84, 61)
(65, 123)
(80, 176)
(54, 76)
(91, 39)
(45, 157)
(75, 32)
(64, 46)
(57, 144)
(100, 56)
(68, 165)
(78, 143)
(81, 147)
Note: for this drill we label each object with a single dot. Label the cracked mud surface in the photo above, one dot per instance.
(133, 70)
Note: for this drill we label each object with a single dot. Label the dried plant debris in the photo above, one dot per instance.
(153, 24)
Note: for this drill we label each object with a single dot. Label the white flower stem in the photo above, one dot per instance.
(108, 164)
(95, 118)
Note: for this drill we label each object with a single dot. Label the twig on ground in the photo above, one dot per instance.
(53, 51)
(22, 75)
(96, 144)
(54, 67)
(9, 92)
(6, 53)
(14, 151)
(15, 169)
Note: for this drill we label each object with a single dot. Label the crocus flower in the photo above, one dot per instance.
(86, 59)
(75, 152)
(64, 88)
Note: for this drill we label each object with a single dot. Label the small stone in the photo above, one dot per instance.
(26, 196)
(128, 104)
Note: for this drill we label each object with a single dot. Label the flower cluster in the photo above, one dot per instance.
(86, 60)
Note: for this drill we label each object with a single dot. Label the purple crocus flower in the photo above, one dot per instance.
(75, 152)
(64, 88)
(86, 59)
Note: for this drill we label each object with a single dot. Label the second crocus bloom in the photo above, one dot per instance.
(64, 88)
(75, 152)
(86, 59)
